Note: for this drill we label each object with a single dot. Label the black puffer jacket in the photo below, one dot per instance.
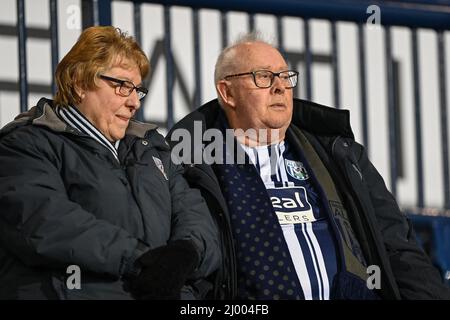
(65, 200)
(383, 231)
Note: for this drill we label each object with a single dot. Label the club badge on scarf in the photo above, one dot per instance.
(160, 166)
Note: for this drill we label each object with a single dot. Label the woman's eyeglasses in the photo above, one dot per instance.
(126, 87)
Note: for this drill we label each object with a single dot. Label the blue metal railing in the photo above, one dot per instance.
(22, 35)
(391, 110)
(137, 24)
(436, 230)
(335, 64)
(170, 78)
(197, 58)
(417, 117)
(363, 84)
(443, 116)
(420, 14)
(54, 39)
(308, 59)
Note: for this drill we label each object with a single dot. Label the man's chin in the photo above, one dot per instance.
(280, 125)
(272, 134)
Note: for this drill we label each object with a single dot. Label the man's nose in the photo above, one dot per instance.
(277, 85)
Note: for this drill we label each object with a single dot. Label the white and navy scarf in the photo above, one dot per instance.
(74, 118)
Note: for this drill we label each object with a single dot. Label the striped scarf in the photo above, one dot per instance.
(74, 118)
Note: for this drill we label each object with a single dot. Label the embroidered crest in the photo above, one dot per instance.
(345, 228)
(160, 166)
(296, 169)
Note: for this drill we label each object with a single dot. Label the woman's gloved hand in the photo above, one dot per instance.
(164, 271)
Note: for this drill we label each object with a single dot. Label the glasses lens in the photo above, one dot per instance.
(263, 78)
(141, 94)
(289, 78)
(126, 88)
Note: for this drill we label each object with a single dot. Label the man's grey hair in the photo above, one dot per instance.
(227, 63)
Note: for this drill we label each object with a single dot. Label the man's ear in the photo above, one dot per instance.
(224, 90)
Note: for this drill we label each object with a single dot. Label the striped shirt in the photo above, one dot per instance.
(305, 225)
(74, 118)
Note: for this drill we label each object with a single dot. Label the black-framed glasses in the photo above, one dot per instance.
(265, 78)
(126, 87)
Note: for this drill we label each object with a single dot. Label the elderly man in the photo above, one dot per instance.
(306, 215)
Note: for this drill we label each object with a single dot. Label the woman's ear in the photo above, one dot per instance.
(80, 92)
(225, 91)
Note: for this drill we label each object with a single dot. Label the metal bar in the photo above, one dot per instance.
(251, 22)
(197, 58)
(22, 35)
(444, 125)
(224, 25)
(398, 119)
(33, 87)
(308, 59)
(299, 57)
(137, 25)
(417, 117)
(335, 65)
(363, 84)
(54, 40)
(104, 12)
(37, 33)
(96, 13)
(436, 16)
(89, 14)
(280, 35)
(170, 76)
(391, 110)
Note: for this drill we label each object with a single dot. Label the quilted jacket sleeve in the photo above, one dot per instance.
(415, 275)
(192, 220)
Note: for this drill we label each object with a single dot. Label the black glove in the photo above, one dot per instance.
(164, 270)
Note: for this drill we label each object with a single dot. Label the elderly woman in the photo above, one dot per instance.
(91, 206)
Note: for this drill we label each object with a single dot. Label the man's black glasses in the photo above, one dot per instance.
(265, 78)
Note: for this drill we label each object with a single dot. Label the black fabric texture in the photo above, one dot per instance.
(164, 271)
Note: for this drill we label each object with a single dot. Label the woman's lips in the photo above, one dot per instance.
(126, 119)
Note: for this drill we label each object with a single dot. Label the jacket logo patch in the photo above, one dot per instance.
(160, 166)
(296, 169)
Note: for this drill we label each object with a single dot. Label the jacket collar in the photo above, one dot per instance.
(44, 115)
(321, 120)
(309, 116)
